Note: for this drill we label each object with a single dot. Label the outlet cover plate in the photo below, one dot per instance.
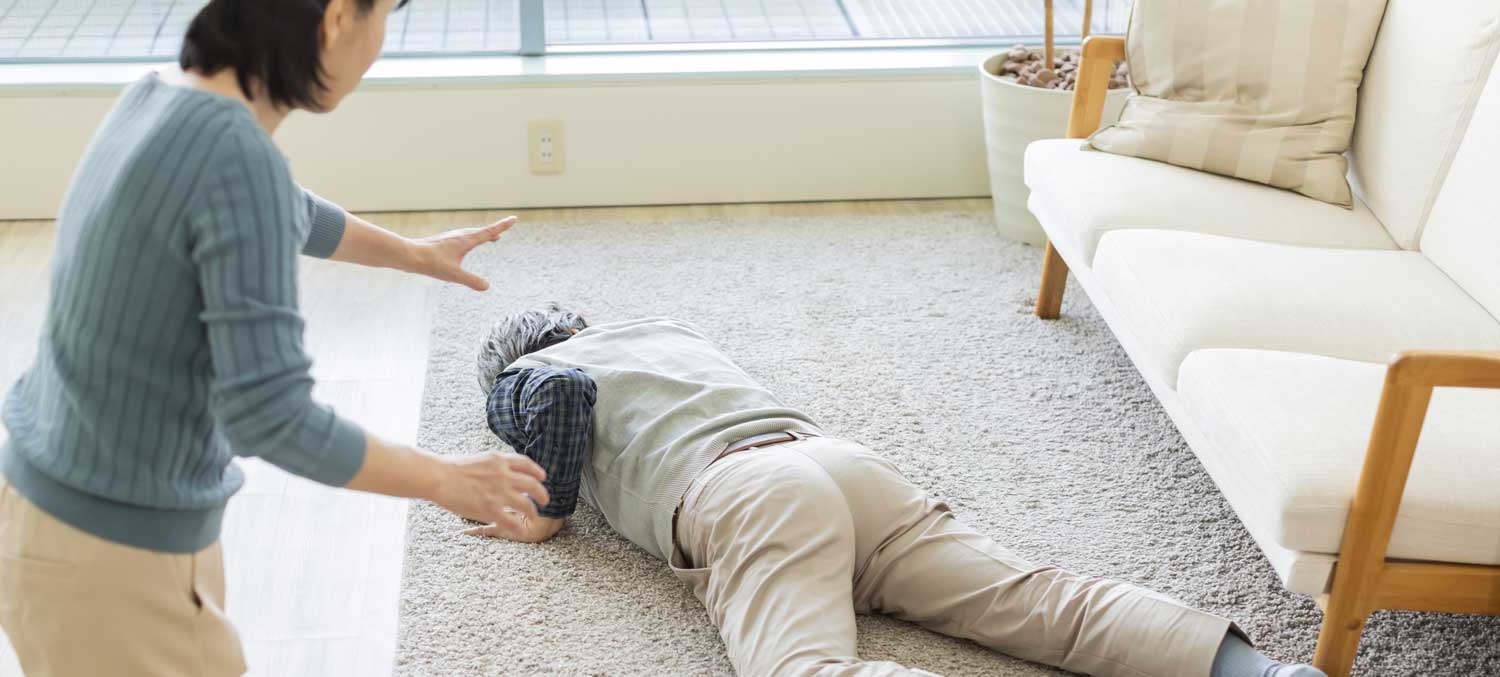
(544, 141)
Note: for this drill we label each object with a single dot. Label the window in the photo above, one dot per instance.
(94, 30)
(615, 22)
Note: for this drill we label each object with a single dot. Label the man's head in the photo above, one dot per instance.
(524, 332)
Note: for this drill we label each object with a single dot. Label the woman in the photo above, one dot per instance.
(173, 343)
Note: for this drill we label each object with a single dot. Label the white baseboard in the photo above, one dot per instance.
(461, 144)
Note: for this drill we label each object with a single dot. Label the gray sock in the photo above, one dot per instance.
(1236, 658)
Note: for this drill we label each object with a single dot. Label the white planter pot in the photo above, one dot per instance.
(1014, 116)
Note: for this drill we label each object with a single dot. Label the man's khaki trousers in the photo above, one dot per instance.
(785, 544)
(77, 605)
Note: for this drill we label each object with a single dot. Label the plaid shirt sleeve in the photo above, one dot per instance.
(547, 414)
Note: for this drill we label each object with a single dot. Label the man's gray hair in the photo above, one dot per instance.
(524, 332)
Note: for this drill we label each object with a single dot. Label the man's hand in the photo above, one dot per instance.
(488, 487)
(442, 256)
(521, 528)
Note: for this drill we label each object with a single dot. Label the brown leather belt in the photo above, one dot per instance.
(759, 441)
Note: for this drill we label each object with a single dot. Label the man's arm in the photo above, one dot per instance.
(341, 236)
(547, 414)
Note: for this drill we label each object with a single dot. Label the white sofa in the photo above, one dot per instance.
(1266, 322)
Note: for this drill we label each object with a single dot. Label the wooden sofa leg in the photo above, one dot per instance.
(1054, 283)
(1338, 639)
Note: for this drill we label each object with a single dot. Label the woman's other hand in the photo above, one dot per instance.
(481, 487)
(442, 256)
(489, 487)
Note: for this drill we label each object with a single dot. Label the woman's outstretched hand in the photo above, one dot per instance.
(442, 256)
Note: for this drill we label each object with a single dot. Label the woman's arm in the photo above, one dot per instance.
(245, 250)
(356, 240)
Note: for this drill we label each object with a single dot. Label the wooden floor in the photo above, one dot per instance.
(315, 573)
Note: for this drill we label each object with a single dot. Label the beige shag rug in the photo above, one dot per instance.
(911, 334)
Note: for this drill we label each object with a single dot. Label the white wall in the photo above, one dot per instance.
(410, 146)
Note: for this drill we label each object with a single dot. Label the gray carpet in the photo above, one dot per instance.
(911, 334)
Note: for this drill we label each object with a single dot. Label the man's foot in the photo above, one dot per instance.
(1236, 658)
(1298, 670)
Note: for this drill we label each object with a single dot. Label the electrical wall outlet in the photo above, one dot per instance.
(545, 140)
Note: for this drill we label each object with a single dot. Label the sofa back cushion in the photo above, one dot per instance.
(1420, 86)
(1463, 230)
(1264, 91)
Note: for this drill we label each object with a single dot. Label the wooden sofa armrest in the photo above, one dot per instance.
(1099, 56)
(1364, 580)
(1446, 369)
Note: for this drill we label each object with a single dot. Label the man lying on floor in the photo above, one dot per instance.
(784, 532)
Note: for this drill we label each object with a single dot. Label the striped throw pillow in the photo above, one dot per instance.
(1262, 90)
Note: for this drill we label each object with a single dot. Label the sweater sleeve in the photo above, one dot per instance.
(244, 247)
(327, 225)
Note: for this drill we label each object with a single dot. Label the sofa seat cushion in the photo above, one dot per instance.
(1292, 430)
(1079, 195)
(1177, 292)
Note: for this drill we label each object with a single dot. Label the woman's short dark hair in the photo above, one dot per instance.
(271, 42)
